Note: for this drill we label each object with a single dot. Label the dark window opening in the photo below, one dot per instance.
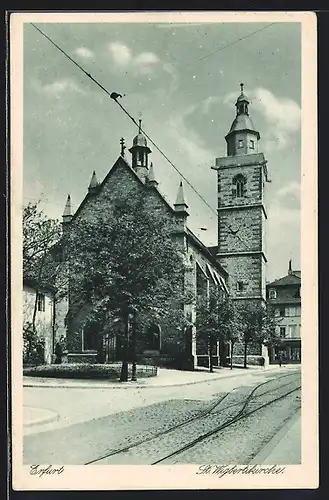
(282, 332)
(240, 144)
(239, 286)
(282, 311)
(41, 302)
(252, 144)
(239, 186)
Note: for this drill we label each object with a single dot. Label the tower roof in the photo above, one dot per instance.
(151, 176)
(242, 121)
(140, 139)
(68, 209)
(93, 181)
(180, 200)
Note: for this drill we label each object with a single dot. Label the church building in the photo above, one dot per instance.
(204, 269)
(235, 266)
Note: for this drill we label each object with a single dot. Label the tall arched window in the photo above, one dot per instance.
(239, 186)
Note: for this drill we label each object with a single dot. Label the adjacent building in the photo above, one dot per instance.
(284, 295)
(40, 303)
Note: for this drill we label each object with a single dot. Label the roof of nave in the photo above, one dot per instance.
(290, 279)
(121, 161)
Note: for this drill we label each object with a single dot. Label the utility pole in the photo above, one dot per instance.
(124, 368)
(133, 345)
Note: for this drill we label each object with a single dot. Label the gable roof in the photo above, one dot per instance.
(289, 279)
(123, 162)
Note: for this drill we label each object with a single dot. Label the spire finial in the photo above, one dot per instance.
(290, 267)
(123, 147)
(241, 86)
(140, 123)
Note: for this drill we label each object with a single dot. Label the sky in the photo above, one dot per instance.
(183, 80)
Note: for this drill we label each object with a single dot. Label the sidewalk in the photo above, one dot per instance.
(165, 378)
(285, 447)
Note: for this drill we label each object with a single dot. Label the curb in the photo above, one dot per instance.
(138, 386)
(43, 420)
(266, 451)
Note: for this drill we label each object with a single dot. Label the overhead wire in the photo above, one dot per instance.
(110, 94)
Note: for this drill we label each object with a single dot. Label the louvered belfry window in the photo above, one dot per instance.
(239, 186)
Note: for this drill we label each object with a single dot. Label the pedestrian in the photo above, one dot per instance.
(58, 353)
(280, 360)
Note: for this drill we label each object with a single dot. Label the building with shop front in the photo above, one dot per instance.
(284, 295)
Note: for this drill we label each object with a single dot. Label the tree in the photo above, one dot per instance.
(217, 320)
(40, 235)
(258, 323)
(125, 261)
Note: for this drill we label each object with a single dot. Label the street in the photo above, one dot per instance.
(223, 420)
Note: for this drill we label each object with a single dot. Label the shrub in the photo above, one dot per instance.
(85, 371)
(33, 346)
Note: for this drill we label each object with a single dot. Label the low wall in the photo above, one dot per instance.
(251, 360)
(83, 357)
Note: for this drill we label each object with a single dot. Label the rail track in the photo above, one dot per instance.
(221, 407)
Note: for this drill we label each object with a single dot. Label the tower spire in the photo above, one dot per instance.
(180, 204)
(151, 180)
(93, 185)
(67, 214)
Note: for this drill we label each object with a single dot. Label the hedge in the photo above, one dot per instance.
(86, 371)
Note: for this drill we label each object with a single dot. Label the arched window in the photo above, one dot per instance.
(239, 186)
(272, 294)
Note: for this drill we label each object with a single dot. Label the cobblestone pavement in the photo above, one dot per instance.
(94, 422)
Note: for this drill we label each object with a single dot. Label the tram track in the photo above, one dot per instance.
(214, 410)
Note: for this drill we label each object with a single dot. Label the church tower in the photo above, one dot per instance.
(139, 153)
(241, 210)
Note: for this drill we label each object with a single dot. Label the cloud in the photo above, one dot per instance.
(121, 53)
(172, 71)
(289, 195)
(141, 64)
(282, 115)
(188, 139)
(206, 104)
(84, 52)
(146, 58)
(58, 87)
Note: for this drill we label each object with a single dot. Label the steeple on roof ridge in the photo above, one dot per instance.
(180, 200)
(151, 176)
(68, 209)
(93, 181)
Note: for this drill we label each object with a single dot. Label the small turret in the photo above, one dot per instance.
(180, 205)
(67, 214)
(139, 152)
(151, 180)
(93, 185)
